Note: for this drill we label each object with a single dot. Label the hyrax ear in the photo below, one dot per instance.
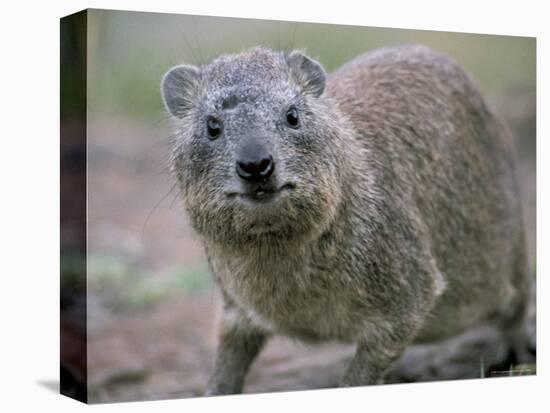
(307, 72)
(180, 87)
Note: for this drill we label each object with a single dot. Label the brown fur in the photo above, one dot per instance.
(402, 223)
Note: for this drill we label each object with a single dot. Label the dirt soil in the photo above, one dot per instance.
(166, 349)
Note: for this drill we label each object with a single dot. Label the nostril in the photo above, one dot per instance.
(254, 170)
(245, 169)
(266, 167)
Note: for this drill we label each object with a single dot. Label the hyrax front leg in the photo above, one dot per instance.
(385, 337)
(404, 307)
(369, 365)
(239, 344)
(374, 356)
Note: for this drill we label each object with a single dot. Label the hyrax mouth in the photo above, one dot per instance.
(261, 192)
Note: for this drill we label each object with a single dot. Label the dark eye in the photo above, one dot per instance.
(214, 127)
(292, 117)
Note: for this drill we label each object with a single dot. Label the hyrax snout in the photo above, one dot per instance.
(377, 205)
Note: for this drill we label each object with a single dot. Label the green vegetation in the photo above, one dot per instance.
(130, 51)
(126, 286)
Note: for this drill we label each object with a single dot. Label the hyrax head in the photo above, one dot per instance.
(255, 147)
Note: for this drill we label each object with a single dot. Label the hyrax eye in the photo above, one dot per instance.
(292, 117)
(213, 127)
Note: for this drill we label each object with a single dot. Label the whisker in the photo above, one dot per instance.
(195, 37)
(154, 209)
(293, 38)
(176, 197)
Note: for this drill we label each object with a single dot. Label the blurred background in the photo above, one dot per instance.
(151, 301)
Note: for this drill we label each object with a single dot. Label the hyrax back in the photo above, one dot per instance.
(378, 205)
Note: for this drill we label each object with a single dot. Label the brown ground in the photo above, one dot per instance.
(163, 347)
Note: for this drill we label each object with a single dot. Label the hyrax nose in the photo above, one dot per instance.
(258, 169)
(255, 164)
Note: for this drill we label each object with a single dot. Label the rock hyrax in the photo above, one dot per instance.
(377, 205)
